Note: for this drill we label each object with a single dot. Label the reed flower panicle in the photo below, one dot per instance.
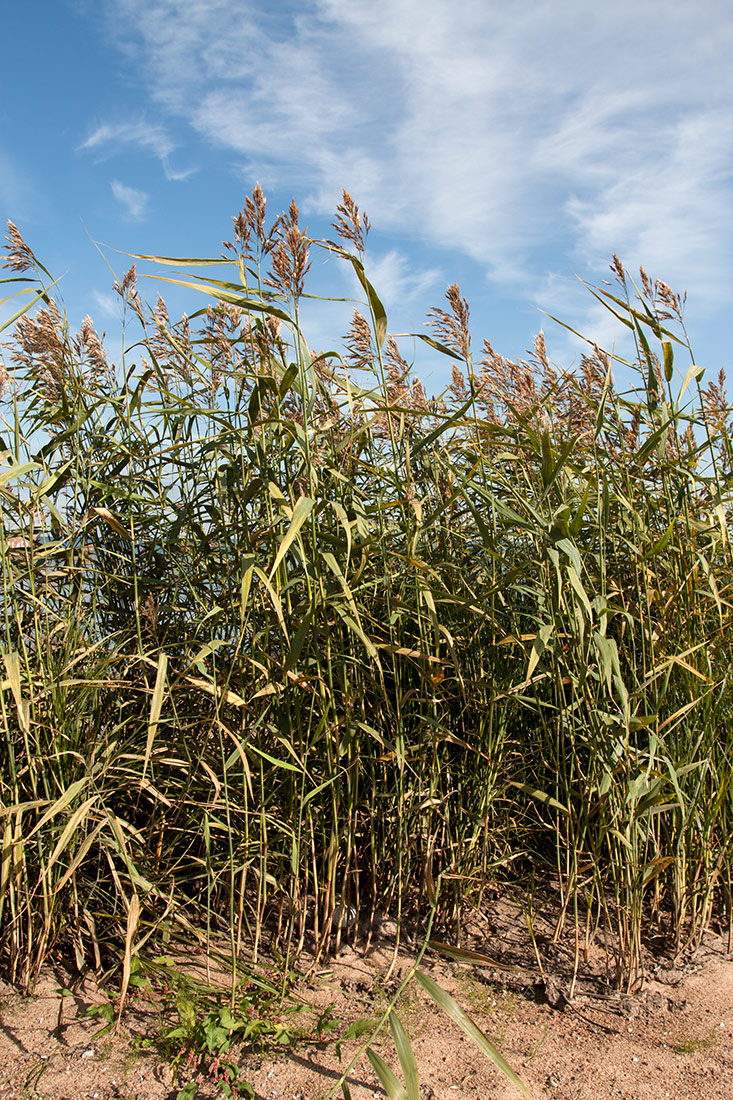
(41, 347)
(128, 291)
(252, 242)
(457, 385)
(397, 372)
(20, 257)
(716, 405)
(360, 352)
(6, 380)
(397, 366)
(290, 262)
(170, 345)
(510, 387)
(255, 209)
(452, 327)
(350, 224)
(89, 349)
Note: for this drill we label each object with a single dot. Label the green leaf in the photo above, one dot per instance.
(475, 958)
(28, 306)
(442, 348)
(78, 815)
(61, 803)
(660, 544)
(693, 373)
(652, 384)
(156, 705)
(393, 1088)
(406, 1056)
(540, 796)
(469, 1028)
(288, 379)
(276, 763)
(378, 311)
(577, 586)
(299, 639)
(12, 472)
(247, 304)
(301, 511)
(551, 473)
(357, 629)
(176, 261)
(538, 648)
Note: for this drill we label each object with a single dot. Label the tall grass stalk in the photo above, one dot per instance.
(282, 636)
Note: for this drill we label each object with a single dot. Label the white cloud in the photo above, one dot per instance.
(504, 131)
(107, 303)
(397, 284)
(672, 211)
(135, 202)
(145, 135)
(177, 174)
(110, 138)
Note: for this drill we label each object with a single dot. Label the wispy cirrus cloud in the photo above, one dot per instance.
(110, 139)
(143, 134)
(398, 281)
(134, 201)
(107, 303)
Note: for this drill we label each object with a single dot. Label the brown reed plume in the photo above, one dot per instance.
(20, 257)
(290, 263)
(453, 327)
(350, 224)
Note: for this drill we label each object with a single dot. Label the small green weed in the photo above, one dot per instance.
(209, 1027)
(692, 1046)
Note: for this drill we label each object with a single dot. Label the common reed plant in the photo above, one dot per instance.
(284, 637)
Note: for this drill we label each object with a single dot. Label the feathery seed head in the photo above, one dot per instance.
(290, 262)
(452, 327)
(20, 255)
(350, 224)
(360, 349)
(618, 269)
(255, 208)
(540, 351)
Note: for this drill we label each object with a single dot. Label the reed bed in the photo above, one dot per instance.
(282, 635)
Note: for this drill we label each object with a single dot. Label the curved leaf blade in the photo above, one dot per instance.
(469, 1028)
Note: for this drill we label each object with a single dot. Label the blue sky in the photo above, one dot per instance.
(507, 146)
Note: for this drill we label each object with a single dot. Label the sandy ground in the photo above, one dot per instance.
(671, 1041)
